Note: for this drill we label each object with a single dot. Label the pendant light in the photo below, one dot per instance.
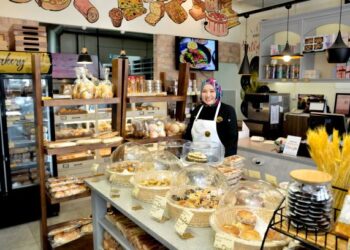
(338, 52)
(84, 57)
(245, 69)
(286, 54)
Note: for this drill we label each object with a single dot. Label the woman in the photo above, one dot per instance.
(213, 121)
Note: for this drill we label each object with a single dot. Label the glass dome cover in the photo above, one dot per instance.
(164, 160)
(253, 194)
(202, 152)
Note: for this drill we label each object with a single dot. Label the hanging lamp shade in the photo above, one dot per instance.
(84, 57)
(338, 52)
(245, 69)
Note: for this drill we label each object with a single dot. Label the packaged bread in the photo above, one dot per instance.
(342, 226)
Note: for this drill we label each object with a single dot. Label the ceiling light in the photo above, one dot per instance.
(245, 69)
(84, 57)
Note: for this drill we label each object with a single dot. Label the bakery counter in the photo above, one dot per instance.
(163, 232)
(263, 162)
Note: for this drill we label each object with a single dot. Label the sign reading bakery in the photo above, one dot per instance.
(21, 62)
(218, 14)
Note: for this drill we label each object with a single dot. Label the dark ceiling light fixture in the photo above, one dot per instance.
(338, 52)
(245, 69)
(84, 57)
(287, 54)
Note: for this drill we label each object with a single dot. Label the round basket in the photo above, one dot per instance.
(147, 195)
(227, 216)
(200, 216)
(119, 179)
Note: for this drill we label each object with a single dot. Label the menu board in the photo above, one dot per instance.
(63, 65)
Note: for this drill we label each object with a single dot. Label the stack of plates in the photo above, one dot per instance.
(310, 206)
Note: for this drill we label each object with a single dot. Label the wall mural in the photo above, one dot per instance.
(218, 14)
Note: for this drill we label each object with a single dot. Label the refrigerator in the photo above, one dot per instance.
(19, 180)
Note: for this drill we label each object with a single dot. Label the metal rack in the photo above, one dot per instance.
(318, 239)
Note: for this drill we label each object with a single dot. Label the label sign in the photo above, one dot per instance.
(183, 221)
(224, 241)
(158, 207)
(292, 145)
(254, 174)
(21, 62)
(271, 179)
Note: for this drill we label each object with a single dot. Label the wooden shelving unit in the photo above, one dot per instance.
(180, 99)
(53, 200)
(119, 71)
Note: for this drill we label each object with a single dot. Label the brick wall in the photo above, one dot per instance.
(164, 57)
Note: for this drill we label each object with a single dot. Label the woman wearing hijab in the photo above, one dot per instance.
(213, 121)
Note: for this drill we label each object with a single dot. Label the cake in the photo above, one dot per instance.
(195, 156)
(116, 16)
(217, 24)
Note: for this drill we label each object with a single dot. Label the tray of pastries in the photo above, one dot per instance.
(63, 187)
(121, 172)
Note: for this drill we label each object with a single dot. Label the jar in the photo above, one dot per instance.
(157, 86)
(149, 86)
(141, 88)
(310, 199)
(267, 71)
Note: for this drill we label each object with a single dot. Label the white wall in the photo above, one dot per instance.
(71, 16)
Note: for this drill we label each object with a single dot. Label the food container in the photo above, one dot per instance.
(245, 211)
(126, 160)
(197, 188)
(310, 199)
(232, 168)
(202, 152)
(174, 146)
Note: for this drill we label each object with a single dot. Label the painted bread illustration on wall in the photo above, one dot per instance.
(54, 5)
(157, 10)
(226, 9)
(116, 16)
(217, 24)
(175, 11)
(198, 10)
(88, 10)
(131, 8)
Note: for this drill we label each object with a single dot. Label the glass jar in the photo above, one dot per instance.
(149, 86)
(310, 199)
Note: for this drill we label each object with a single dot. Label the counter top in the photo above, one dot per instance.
(163, 232)
(269, 150)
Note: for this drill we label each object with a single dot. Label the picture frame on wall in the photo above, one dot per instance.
(342, 104)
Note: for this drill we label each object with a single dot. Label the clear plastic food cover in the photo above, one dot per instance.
(254, 194)
(164, 160)
(202, 152)
(129, 158)
(198, 186)
(174, 146)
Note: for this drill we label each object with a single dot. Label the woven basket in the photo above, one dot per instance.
(227, 216)
(147, 194)
(119, 179)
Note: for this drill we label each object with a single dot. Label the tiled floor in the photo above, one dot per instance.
(27, 236)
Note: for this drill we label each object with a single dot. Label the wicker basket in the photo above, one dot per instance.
(227, 216)
(200, 216)
(147, 193)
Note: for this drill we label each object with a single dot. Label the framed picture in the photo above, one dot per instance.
(342, 104)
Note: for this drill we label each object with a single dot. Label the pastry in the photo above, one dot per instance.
(88, 10)
(197, 198)
(274, 235)
(156, 183)
(157, 10)
(132, 13)
(246, 217)
(88, 141)
(55, 5)
(62, 238)
(250, 235)
(232, 18)
(197, 157)
(231, 229)
(112, 140)
(116, 16)
(61, 144)
(244, 227)
(197, 12)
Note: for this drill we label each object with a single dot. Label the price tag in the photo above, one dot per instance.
(158, 207)
(254, 174)
(271, 179)
(183, 221)
(292, 145)
(224, 241)
(135, 192)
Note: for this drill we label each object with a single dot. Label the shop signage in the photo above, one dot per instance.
(21, 62)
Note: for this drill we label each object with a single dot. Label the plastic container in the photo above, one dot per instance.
(197, 188)
(245, 211)
(310, 199)
(202, 152)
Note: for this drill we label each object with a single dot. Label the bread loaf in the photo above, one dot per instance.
(175, 11)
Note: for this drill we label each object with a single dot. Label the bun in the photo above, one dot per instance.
(250, 235)
(246, 217)
(231, 229)
(53, 4)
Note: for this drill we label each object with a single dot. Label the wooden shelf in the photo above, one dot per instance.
(151, 140)
(75, 102)
(169, 98)
(53, 200)
(79, 148)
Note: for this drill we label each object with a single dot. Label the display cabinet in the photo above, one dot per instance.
(118, 71)
(311, 33)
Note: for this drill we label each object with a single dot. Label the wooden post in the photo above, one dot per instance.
(117, 76)
(39, 135)
(123, 64)
(184, 74)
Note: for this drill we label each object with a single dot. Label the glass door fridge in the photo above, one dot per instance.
(19, 172)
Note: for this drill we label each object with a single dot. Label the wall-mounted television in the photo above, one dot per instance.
(201, 54)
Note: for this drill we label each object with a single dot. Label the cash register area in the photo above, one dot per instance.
(27, 236)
